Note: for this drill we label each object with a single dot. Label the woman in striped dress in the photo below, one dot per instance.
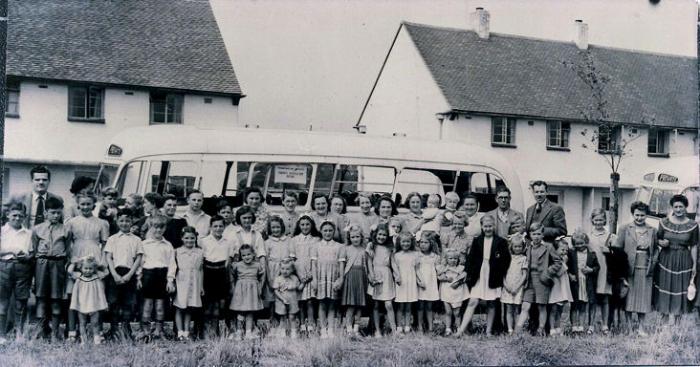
(677, 238)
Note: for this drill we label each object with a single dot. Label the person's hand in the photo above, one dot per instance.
(75, 275)
(170, 288)
(337, 284)
(454, 285)
(587, 270)
(118, 279)
(397, 280)
(127, 278)
(139, 284)
(420, 283)
(572, 277)
(301, 286)
(664, 243)
(201, 293)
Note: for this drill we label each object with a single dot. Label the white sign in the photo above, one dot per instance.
(290, 174)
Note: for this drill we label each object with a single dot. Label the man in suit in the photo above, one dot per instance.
(505, 217)
(35, 200)
(544, 211)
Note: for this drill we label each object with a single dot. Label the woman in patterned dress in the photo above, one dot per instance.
(677, 239)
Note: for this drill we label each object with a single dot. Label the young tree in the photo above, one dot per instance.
(610, 139)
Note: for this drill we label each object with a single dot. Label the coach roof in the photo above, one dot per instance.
(519, 76)
(180, 139)
(172, 44)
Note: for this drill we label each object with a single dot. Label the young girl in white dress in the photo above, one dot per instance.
(305, 252)
(248, 278)
(328, 271)
(382, 272)
(427, 267)
(513, 285)
(408, 280)
(188, 281)
(88, 297)
(453, 291)
(561, 290)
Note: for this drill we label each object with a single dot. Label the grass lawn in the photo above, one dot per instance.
(680, 345)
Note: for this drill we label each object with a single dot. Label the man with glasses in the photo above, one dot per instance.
(507, 220)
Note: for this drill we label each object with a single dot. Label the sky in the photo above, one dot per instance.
(311, 63)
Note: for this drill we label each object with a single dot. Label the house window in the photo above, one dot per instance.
(12, 102)
(85, 103)
(503, 131)
(608, 139)
(166, 108)
(558, 135)
(658, 142)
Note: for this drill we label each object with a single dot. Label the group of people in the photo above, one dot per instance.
(222, 272)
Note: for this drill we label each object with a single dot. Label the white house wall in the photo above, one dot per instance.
(405, 98)
(43, 132)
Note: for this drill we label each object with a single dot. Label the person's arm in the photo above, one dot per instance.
(419, 277)
(112, 270)
(172, 270)
(261, 279)
(35, 242)
(137, 263)
(395, 269)
(558, 227)
(104, 232)
(200, 273)
(233, 272)
(71, 270)
(342, 261)
(370, 268)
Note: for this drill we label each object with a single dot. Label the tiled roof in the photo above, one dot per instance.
(527, 77)
(154, 43)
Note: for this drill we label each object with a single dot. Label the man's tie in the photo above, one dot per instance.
(39, 218)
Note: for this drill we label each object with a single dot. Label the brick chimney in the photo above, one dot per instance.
(581, 34)
(481, 22)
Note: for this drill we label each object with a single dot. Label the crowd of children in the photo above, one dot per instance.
(222, 273)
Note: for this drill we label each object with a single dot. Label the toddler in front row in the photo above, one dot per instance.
(513, 285)
(88, 297)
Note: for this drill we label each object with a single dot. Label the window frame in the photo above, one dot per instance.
(87, 88)
(507, 131)
(665, 140)
(613, 142)
(13, 89)
(178, 108)
(563, 135)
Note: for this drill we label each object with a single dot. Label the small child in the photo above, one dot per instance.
(287, 286)
(446, 217)
(353, 278)
(513, 285)
(88, 297)
(382, 272)
(156, 276)
(188, 281)
(458, 238)
(135, 203)
(453, 291)
(225, 210)
(543, 263)
(561, 290)
(428, 261)
(248, 280)
(290, 200)
(583, 272)
(107, 208)
(328, 271)
(124, 253)
(217, 258)
(16, 256)
(277, 247)
(88, 236)
(395, 227)
(408, 280)
(305, 252)
(433, 201)
(50, 242)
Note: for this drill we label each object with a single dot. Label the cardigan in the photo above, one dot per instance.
(498, 262)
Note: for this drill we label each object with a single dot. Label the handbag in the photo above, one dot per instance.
(692, 291)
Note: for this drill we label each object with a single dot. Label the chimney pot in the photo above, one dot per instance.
(581, 34)
(482, 19)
